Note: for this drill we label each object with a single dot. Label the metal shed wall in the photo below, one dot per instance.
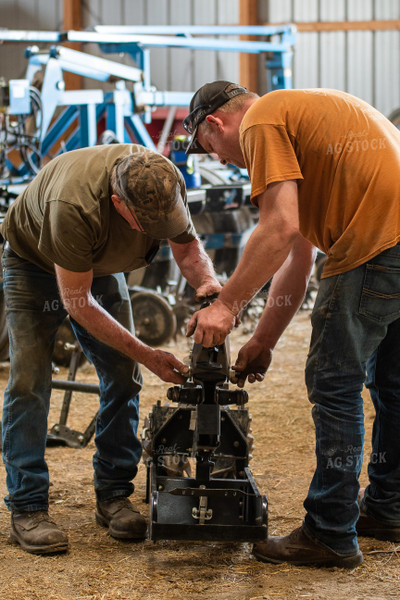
(172, 69)
(25, 14)
(364, 63)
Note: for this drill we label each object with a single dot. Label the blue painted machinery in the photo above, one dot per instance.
(39, 119)
(124, 110)
(207, 424)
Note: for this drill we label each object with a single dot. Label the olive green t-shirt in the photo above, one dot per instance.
(65, 216)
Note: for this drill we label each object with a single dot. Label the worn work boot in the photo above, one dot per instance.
(301, 548)
(368, 526)
(121, 518)
(37, 533)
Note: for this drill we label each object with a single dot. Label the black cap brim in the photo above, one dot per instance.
(194, 147)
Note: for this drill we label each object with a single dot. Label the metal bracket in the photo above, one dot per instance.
(202, 513)
(60, 433)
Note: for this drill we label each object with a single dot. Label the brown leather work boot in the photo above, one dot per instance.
(35, 532)
(368, 526)
(380, 530)
(301, 548)
(121, 518)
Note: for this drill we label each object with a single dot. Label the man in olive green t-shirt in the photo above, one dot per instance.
(89, 216)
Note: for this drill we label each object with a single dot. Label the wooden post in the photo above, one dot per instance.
(72, 19)
(249, 62)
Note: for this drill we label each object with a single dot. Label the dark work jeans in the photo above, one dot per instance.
(355, 340)
(34, 313)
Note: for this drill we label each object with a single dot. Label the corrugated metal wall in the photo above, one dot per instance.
(364, 63)
(25, 14)
(173, 69)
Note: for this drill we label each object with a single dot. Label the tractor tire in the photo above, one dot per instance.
(154, 319)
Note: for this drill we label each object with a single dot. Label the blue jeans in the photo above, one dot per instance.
(34, 313)
(355, 340)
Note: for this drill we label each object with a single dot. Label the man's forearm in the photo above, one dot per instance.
(267, 247)
(263, 256)
(286, 294)
(75, 292)
(101, 325)
(265, 252)
(194, 263)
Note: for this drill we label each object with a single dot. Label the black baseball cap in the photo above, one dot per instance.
(205, 101)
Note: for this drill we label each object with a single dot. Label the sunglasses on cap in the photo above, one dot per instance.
(211, 99)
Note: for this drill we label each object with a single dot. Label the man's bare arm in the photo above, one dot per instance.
(196, 266)
(287, 291)
(75, 291)
(265, 252)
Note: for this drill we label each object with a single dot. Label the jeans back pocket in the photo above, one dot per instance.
(380, 297)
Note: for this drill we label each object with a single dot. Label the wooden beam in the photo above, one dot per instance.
(320, 26)
(72, 19)
(248, 15)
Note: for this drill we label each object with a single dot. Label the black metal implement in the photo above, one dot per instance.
(221, 501)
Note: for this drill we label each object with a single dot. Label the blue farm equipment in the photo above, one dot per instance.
(210, 424)
(39, 119)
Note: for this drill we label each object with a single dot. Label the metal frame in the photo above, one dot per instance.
(209, 423)
(129, 106)
(71, 119)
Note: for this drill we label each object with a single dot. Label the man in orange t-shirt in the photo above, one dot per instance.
(324, 169)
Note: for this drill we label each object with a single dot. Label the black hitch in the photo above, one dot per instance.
(207, 428)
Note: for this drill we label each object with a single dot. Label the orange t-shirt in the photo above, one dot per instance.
(346, 158)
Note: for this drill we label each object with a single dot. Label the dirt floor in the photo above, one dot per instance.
(97, 567)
